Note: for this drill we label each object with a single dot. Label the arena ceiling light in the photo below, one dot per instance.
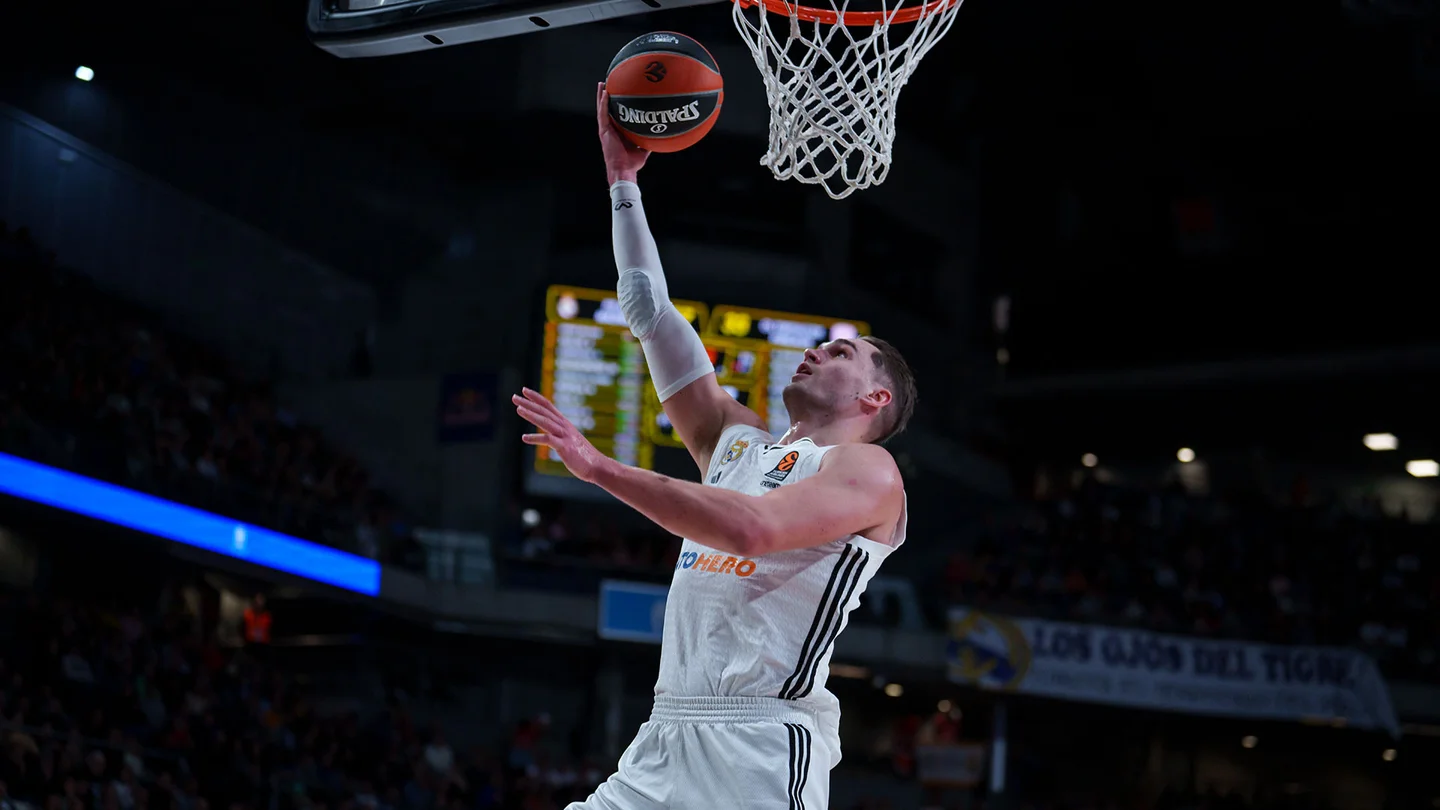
(1186, 455)
(1381, 441)
(1423, 468)
(1089, 460)
(84, 74)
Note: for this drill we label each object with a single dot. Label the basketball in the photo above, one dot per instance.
(665, 91)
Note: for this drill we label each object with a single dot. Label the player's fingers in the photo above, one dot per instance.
(531, 399)
(535, 416)
(526, 408)
(542, 405)
(544, 421)
(539, 439)
(540, 399)
(537, 400)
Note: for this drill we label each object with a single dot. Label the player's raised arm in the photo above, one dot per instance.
(680, 367)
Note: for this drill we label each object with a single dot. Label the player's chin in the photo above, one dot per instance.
(804, 389)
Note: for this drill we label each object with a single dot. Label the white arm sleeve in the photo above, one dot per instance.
(674, 353)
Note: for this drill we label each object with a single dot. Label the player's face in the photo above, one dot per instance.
(832, 378)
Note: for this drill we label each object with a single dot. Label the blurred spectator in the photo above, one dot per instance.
(439, 755)
(256, 622)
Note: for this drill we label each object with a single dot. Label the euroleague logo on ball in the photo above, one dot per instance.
(655, 71)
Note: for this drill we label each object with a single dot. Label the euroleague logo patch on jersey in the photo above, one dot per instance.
(782, 470)
(715, 564)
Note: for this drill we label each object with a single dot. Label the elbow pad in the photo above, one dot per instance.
(674, 354)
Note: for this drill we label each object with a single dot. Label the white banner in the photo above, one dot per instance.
(1148, 670)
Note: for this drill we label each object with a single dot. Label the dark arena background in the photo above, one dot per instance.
(1160, 268)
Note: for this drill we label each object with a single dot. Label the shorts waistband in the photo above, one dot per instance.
(671, 709)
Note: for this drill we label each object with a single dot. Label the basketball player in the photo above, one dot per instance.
(780, 541)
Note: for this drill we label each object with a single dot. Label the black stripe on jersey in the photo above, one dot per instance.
(799, 764)
(820, 611)
(864, 559)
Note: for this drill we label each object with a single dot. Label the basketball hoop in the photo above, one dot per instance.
(833, 79)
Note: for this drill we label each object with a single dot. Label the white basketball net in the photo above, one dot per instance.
(833, 90)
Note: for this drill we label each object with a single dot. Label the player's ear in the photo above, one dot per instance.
(876, 399)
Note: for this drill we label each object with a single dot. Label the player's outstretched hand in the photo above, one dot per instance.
(559, 434)
(623, 159)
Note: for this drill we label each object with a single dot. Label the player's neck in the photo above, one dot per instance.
(823, 434)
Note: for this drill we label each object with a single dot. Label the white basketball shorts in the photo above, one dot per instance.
(720, 753)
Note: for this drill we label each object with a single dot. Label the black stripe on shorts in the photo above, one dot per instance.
(799, 763)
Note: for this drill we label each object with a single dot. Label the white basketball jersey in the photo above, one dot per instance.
(764, 627)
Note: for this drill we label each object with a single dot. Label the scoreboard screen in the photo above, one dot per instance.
(593, 369)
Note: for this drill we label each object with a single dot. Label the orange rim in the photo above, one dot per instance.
(853, 19)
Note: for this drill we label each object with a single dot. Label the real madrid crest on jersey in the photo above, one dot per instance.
(736, 450)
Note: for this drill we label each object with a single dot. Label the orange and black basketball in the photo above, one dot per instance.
(665, 91)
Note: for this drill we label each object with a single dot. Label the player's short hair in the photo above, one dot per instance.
(898, 377)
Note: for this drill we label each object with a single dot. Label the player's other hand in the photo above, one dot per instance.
(623, 159)
(559, 434)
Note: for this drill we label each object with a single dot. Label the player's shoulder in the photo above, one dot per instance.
(735, 440)
(745, 431)
(871, 464)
